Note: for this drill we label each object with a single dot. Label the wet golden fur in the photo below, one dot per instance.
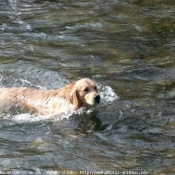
(70, 97)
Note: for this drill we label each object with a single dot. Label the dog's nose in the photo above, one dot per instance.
(97, 99)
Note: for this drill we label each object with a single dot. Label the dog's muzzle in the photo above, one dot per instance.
(97, 99)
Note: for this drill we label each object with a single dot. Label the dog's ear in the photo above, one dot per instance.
(74, 98)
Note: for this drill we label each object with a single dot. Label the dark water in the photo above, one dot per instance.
(128, 47)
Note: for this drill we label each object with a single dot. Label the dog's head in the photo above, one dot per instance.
(85, 92)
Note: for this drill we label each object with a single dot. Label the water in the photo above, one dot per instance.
(127, 47)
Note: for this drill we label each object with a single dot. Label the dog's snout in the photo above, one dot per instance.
(97, 99)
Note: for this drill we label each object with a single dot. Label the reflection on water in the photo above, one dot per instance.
(127, 47)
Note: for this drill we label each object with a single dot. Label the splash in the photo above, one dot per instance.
(107, 95)
(34, 118)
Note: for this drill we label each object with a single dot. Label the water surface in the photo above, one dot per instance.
(128, 47)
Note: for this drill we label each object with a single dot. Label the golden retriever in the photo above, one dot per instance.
(51, 102)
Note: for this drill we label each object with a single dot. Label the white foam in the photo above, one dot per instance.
(107, 95)
(28, 83)
(34, 118)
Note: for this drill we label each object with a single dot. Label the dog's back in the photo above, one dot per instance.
(45, 102)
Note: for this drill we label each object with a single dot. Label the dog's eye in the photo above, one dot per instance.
(86, 90)
(95, 87)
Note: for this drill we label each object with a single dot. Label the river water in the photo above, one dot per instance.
(128, 47)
